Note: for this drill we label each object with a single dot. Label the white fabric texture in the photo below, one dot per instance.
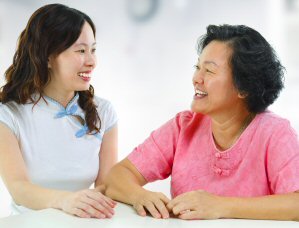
(56, 149)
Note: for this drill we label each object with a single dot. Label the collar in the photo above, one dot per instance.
(59, 111)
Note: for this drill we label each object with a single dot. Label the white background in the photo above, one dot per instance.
(145, 67)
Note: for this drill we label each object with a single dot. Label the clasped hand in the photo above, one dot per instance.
(191, 205)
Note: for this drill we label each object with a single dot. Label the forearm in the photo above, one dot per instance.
(122, 185)
(35, 197)
(274, 207)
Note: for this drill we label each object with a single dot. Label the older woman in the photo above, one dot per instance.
(229, 157)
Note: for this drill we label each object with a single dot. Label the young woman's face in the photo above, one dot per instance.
(215, 92)
(71, 70)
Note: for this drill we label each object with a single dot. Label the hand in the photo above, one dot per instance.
(88, 204)
(154, 202)
(196, 205)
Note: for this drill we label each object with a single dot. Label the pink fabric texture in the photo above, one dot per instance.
(264, 160)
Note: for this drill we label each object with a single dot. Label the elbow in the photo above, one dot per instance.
(16, 190)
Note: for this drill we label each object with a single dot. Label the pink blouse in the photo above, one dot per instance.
(264, 160)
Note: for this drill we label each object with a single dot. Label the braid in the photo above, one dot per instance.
(92, 118)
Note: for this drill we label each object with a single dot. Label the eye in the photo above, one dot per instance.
(82, 51)
(93, 50)
(208, 71)
(196, 67)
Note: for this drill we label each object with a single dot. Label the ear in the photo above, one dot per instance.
(49, 63)
(242, 95)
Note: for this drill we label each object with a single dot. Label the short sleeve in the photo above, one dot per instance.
(154, 157)
(107, 114)
(283, 160)
(7, 118)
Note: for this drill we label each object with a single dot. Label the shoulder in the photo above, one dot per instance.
(189, 118)
(102, 103)
(10, 108)
(273, 126)
(10, 115)
(272, 121)
(106, 112)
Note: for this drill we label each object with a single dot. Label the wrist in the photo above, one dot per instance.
(58, 200)
(226, 207)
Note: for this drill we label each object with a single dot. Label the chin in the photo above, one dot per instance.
(193, 107)
(196, 109)
(83, 88)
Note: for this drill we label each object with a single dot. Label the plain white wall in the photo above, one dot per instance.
(145, 68)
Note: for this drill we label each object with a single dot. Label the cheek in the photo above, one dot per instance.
(223, 91)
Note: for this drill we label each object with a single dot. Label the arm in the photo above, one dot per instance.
(14, 174)
(203, 205)
(108, 155)
(124, 183)
(276, 207)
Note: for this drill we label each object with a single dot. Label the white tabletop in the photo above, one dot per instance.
(125, 216)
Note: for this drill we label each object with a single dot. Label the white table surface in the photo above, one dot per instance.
(125, 216)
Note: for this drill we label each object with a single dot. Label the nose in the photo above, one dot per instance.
(91, 60)
(198, 77)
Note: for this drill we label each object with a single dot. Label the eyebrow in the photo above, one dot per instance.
(85, 44)
(210, 62)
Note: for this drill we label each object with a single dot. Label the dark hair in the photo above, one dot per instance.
(50, 30)
(257, 72)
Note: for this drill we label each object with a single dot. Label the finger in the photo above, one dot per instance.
(189, 215)
(103, 200)
(172, 203)
(79, 212)
(184, 211)
(90, 210)
(164, 198)
(181, 208)
(140, 210)
(160, 205)
(96, 205)
(110, 201)
(100, 197)
(152, 210)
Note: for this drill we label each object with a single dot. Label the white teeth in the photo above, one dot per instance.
(84, 75)
(199, 92)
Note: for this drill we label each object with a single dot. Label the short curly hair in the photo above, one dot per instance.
(257, 72)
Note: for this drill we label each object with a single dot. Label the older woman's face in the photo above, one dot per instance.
(213, 83)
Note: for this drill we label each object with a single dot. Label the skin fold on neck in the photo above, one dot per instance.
(227, 132)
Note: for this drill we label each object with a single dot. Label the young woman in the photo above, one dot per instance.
(229, 157)
(56, 137)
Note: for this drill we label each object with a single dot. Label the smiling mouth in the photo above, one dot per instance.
(199, 93)
(84, 75)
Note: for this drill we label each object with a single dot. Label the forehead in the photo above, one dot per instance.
(217, 52)
(86, 35)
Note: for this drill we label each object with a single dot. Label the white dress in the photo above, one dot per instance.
(55, 147)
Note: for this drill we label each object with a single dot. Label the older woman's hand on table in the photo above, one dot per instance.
(153, 202)
(197, 205)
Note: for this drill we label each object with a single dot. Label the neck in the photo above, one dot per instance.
(227, 130)
(62, 97)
